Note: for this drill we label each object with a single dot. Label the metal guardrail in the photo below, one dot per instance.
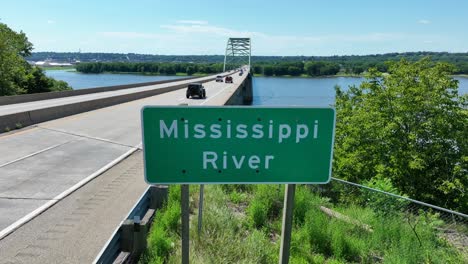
(122, 240)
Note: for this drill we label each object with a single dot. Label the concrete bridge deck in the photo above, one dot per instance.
(43, 165)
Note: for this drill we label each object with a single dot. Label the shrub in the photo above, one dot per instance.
(316, 224)
(382, 203)
(170, 219)
(258, 213)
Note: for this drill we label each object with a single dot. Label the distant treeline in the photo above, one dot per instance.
(297, 68)
(267, 65)
(311, 68)
(150, 67)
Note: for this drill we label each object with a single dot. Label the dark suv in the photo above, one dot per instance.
(196, 89)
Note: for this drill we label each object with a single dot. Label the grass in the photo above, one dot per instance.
(242, 224)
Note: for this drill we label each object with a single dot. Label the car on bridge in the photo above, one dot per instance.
(196, 89)
(219, 78)
(228, 79)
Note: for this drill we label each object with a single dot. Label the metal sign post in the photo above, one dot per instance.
(185, 215)
(200, 209)
(286, 230)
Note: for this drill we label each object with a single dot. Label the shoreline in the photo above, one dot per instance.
(73, 69)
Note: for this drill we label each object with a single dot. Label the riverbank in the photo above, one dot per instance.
(58, 68)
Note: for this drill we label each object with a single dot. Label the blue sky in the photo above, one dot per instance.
(285, 27)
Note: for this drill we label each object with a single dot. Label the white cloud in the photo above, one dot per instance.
(424, 21)
(193, 22)
(50, 21)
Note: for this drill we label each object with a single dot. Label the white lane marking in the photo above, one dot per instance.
(35, 153)
(211, 97)
(85, 136)
(9, 229)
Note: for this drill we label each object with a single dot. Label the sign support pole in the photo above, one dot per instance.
(200, 209)
(184, 200)
(287, 223)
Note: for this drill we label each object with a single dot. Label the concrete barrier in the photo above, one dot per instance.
(14, 121)
(244, 94)
(16, 99)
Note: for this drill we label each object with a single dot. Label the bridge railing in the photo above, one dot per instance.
(129, 240)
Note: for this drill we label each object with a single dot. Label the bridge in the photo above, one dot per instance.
(73, 169)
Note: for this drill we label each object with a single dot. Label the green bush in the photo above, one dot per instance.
(305, 201)
(272, 196)
(237, 197)
(316, 224)
(382, 203)
(158, 243)
(258, 213)
(170, 219)
(174, 194)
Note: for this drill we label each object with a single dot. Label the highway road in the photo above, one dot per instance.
(42, 164)
(22, 107)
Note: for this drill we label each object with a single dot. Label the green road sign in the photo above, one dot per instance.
(237, 144)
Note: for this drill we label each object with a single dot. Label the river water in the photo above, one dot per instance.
(267, 90)
(82, 81)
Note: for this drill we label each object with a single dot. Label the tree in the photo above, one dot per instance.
(12, 65)
(190, 70)
(16, 75)
(409, 126)
(312, 68)
(268, 70)
(294, 71)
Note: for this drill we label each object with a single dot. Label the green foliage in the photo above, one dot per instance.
(174, 194)
(159, 246)
(165, 68)
(271, 196)
(408, 126)
(238, 197)
(318, 68)
(379, 202)
(16, 75)
(258, 213)
(170, 220)
(229, 237)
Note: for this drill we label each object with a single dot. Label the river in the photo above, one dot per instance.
(267, 90)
